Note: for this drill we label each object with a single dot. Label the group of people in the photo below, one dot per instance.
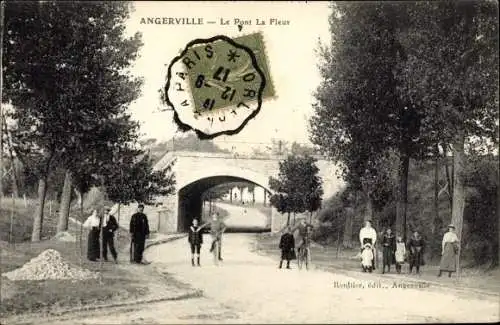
(108, 225)
(395, 251)
(105, 227)
(287, 241)
(195, 237)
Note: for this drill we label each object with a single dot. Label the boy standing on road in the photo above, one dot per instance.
(195, 239)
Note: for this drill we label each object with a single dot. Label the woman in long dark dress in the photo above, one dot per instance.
(93, 244)
(287, 246)
(388, 249)
(416, 252)
(449, 250)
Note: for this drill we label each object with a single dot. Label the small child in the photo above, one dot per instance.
(400, 253)
(367, 258)
(287, 246)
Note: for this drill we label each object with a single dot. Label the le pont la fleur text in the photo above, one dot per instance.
(257, 22)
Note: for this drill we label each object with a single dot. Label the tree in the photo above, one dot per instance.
(56, 80)
(361, 112)
(481, 210)
(217, 192)
(251, 189)
(298, 187)
(458, 84)
(132, 179)
(104, 66)
(282, 204)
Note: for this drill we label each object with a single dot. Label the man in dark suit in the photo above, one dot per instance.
(110, 225)
(139, 231)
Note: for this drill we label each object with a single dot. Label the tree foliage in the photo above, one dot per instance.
(387, 87)
(131, 178)
(298, 187)
(66, 76)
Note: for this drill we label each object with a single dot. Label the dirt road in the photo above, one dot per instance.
(249, 288)
(242, 217)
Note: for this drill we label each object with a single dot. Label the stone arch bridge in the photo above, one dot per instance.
(196, 172)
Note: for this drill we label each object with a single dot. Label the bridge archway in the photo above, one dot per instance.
(190, 201)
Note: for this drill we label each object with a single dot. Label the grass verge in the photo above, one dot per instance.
(27, 297)
(326, 258)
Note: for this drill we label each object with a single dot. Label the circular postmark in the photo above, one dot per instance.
(215, 86)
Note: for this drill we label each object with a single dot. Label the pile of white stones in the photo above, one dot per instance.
(65, 236)
(49, 265)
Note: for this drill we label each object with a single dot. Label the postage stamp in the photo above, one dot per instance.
(217, 85)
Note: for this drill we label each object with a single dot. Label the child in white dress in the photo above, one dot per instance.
(367, 258)
(400, 253)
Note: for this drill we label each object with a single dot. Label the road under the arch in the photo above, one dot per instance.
(191, 202)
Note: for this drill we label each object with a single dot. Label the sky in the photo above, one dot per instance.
(290, 49)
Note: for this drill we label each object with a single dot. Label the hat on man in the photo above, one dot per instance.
(451, 226)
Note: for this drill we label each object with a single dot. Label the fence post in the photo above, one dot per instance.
(101, 244)
(11, 236)
(338, 243)
(159, 218)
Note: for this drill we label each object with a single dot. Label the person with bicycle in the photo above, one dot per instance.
(304, 228)
(304, 233)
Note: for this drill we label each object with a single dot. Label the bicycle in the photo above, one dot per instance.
(304, 256)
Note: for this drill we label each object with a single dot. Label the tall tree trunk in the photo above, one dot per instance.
(265, 196)
(288, 219)
(449, 178)
(457, 216)
(437, 220)
(231, 195)
(62, 222)
(347, 239)
(253, 195)
(2, 19)
(82, 220)
(402, 204)
(369, 209)
(38, 217)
